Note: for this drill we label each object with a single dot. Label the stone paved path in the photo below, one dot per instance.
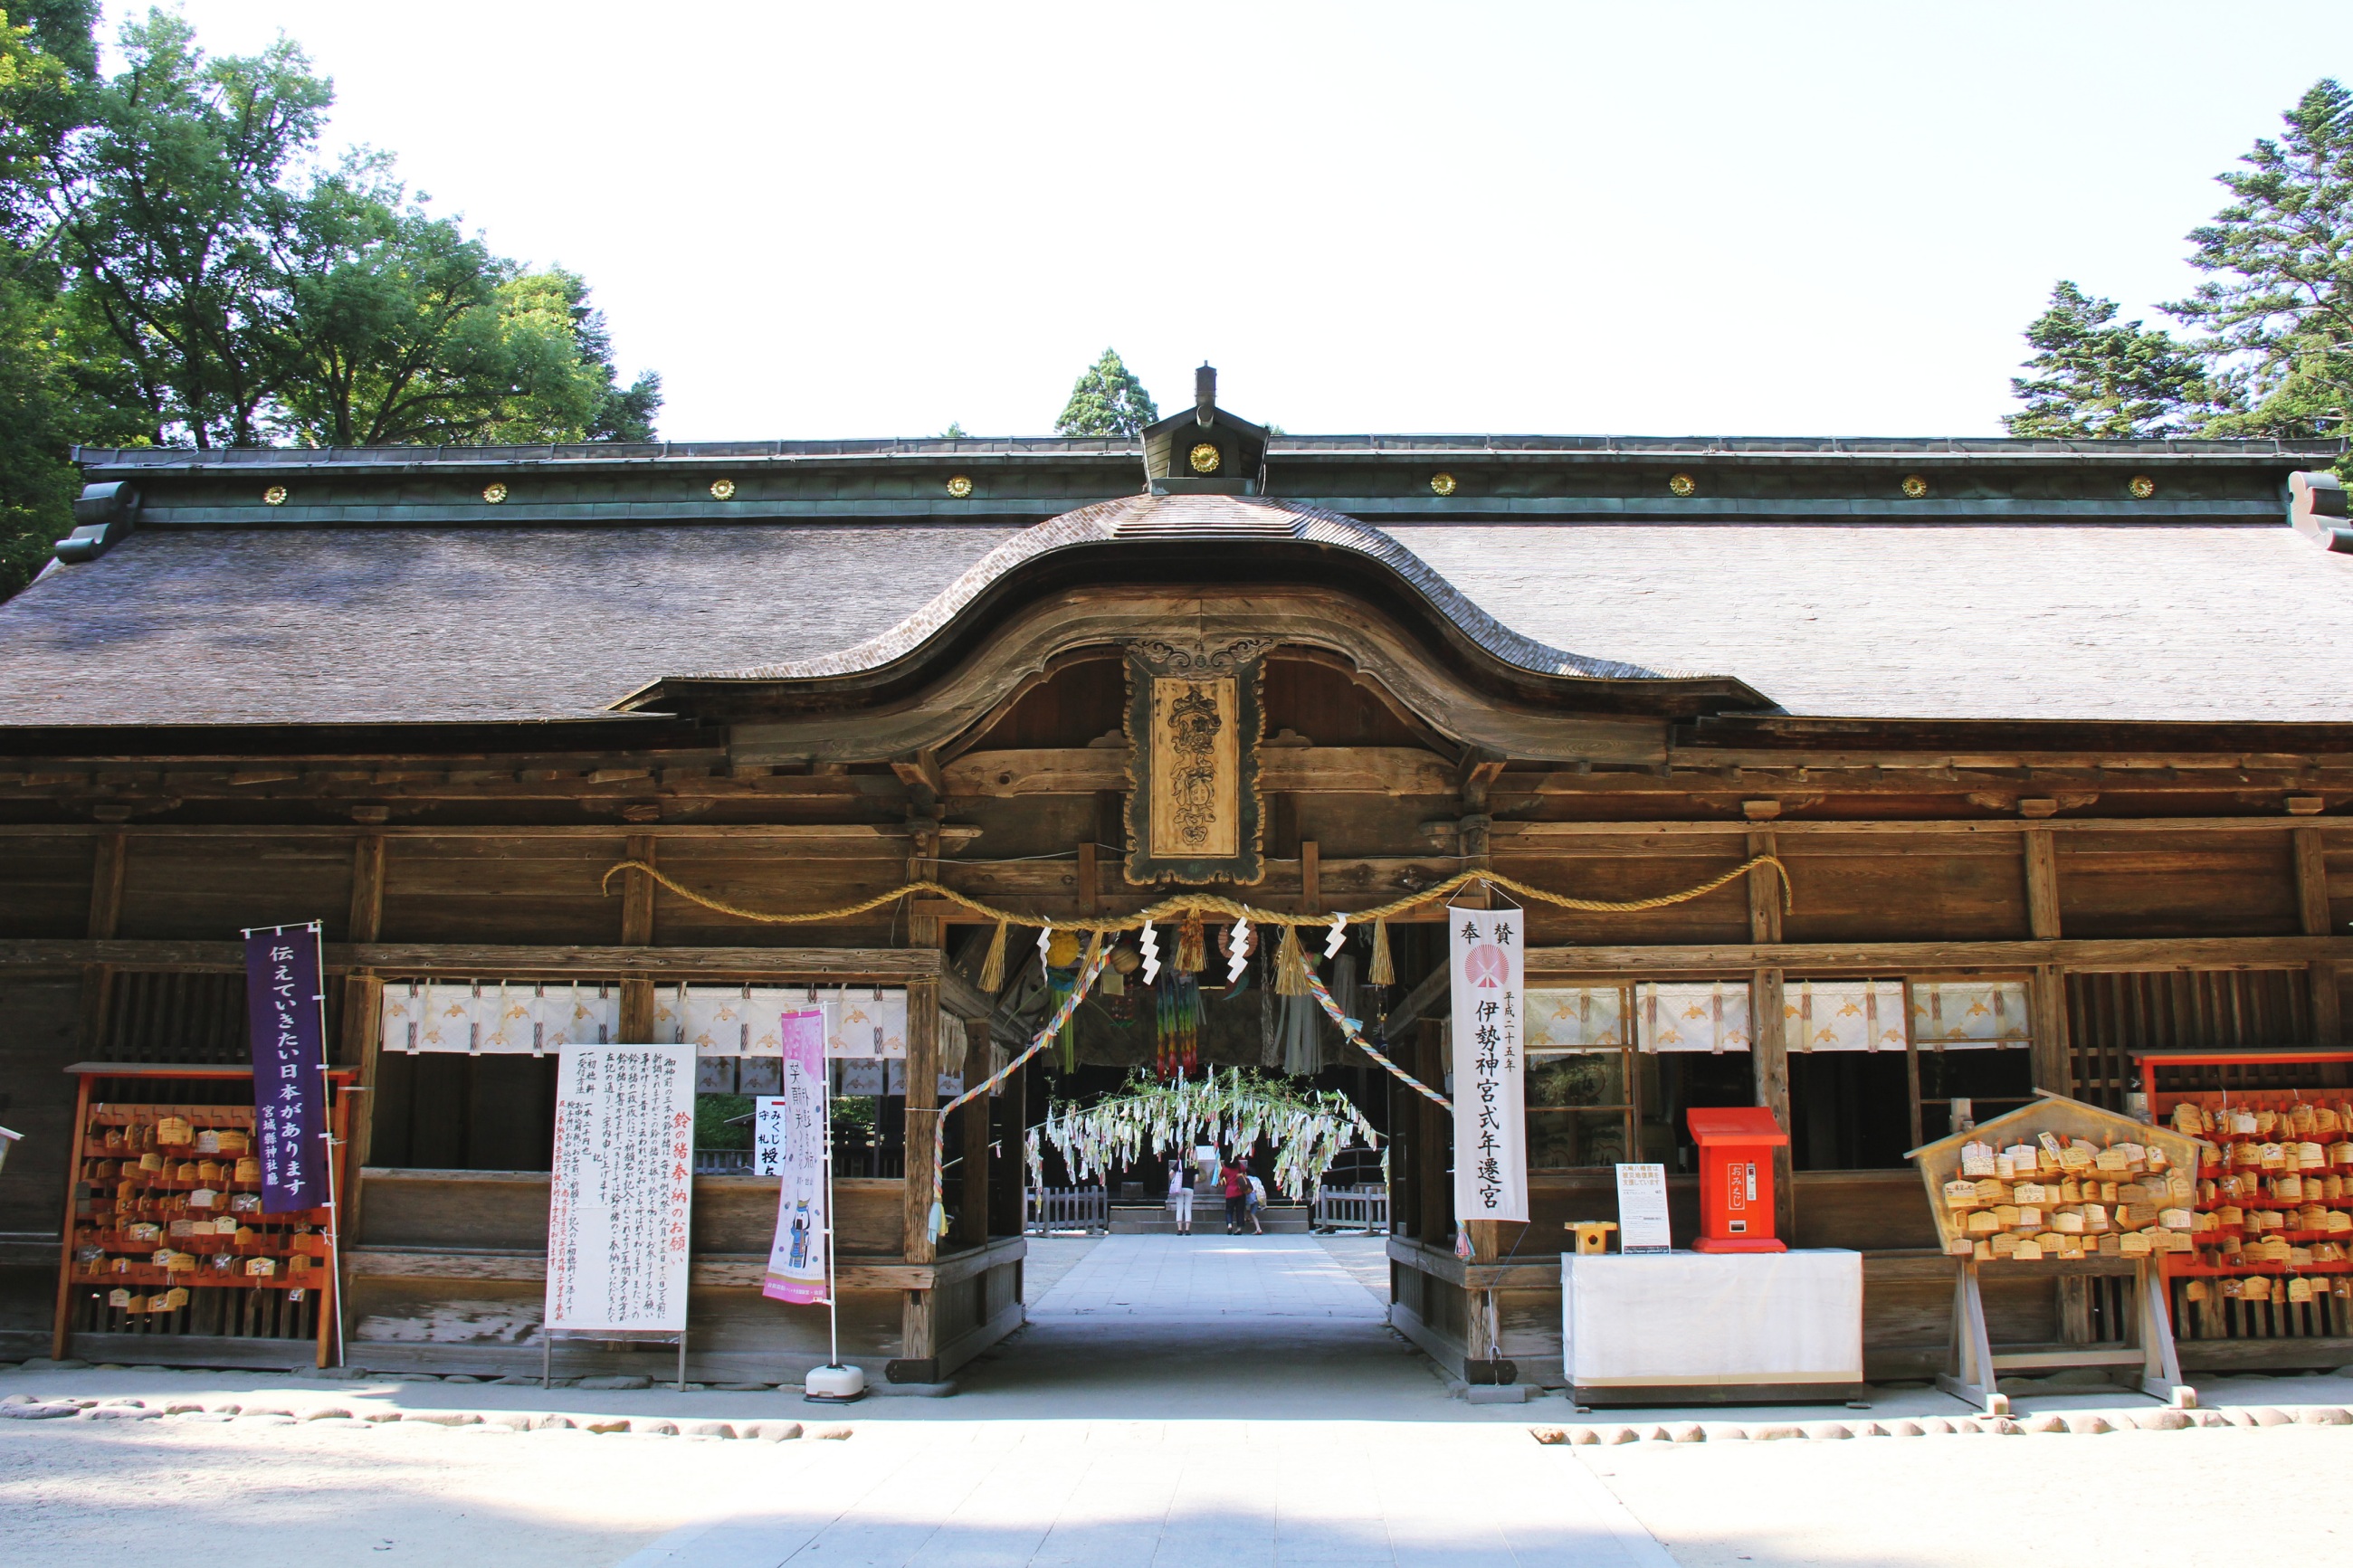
(1202, 1279)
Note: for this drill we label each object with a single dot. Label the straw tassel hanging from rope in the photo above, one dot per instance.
(1383, 971)
(992, 968)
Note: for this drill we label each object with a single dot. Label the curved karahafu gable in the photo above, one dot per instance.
(1218, 566)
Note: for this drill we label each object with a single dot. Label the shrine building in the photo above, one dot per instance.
(2045, 736)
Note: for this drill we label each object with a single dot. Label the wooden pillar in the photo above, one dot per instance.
(918, 1359)
(638, 930)
(923, 1100)
(2312, 904)
(972, 1122)
(2048, 1000)
(2042, 850)
(1434, 1183)
(1008, 1177)
(363, 1039)
(1772, 1057)
(1310, 877)
(1763, 892)
(1090, 878)
(104, 923)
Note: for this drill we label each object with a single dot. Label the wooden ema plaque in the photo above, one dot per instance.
(2065, 1146)
(164, 1235)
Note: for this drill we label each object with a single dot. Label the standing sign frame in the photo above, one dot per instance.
(670, 1145)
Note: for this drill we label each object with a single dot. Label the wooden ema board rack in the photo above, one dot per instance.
(145, 1176)
(2146, 1348)
(2274, 1258)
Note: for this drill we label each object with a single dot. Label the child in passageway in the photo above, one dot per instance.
(1255, 1204)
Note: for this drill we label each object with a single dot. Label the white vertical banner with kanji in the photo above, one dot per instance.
(624, 1182)
(1489, 982)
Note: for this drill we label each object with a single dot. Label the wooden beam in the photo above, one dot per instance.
(1824, 958)
(1529, 837)
(1310, 877)
(1090, 878)
(831, 966)
(2041, 883)
(885, 838)
(920, 769)
(1397, 770)
(1421, 999)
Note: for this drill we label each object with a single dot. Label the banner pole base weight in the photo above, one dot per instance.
(834, 1385)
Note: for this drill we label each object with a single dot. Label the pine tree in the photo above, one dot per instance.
(2099, 379)
(1107, 401)
(2278, 302)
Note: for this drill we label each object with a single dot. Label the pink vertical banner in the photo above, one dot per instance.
(798, 1258)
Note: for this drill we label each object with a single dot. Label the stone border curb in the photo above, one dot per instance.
(282, 1413)
(2084, 1422)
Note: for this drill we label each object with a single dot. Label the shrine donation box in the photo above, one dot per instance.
(1736, 1177)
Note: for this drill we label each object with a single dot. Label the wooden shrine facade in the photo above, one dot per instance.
(2049, 718)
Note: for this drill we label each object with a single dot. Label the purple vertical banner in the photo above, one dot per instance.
(284, 1003)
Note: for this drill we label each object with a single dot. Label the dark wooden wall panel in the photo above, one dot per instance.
(1883, 888)
(40, 1038)
(1719, 917)
(44, 885)
(2148, 885)
(522, 889)
(782, 877)
(210, 889)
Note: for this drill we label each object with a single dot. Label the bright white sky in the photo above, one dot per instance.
(872, 219)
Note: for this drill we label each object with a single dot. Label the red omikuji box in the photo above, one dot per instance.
(1736, 1177)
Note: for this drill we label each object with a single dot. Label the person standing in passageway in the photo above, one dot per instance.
(1181, 1177)
(1236, 1183)
(1254, 1204)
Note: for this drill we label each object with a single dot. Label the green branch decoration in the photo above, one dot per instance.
(1309, 1129)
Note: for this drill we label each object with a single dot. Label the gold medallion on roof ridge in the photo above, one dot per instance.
(1442, 484)
(1204, 458)
(722, 489)
(1681, 485)
(960, 486)
(494, 493)
(274, 496)
(1915, 486)
(2142, 487)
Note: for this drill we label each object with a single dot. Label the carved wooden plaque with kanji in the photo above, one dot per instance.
(1194, 723)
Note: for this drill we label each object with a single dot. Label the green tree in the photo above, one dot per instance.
(2098, 378)
(1107, 401)
(45, 54)
(2273, 350)
(250, 296)
(2277, 305)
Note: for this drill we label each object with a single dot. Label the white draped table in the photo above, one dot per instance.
(1709, 1325)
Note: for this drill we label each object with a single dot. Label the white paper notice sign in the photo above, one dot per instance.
(768, 1135)
(624, 1181)
(1642, 1209)
(1490, 1154)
